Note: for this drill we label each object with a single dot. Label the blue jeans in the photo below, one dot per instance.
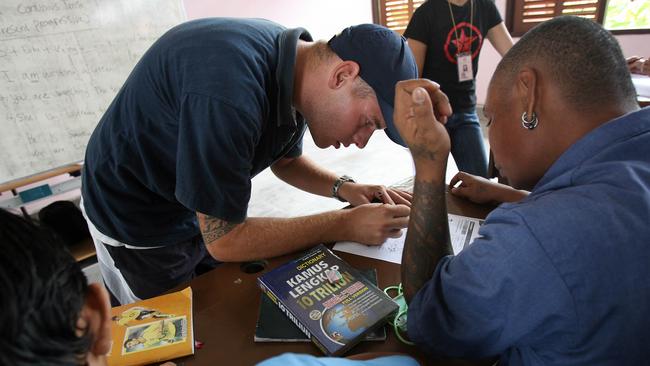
(467, 145)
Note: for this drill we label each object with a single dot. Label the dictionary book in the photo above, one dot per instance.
(327, 299)
(152, 330)
(273, 326)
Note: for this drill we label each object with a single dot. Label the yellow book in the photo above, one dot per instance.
(153, 330)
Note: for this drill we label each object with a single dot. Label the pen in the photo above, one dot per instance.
(633, 60)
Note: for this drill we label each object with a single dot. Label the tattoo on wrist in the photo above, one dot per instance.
(423, 152)
(213, 229)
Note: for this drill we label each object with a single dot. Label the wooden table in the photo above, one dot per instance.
(643, 101)
(226, 304)
(83, 250)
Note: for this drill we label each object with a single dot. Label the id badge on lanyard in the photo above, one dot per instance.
(464, 64)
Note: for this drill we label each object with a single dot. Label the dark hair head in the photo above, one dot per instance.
(583, 58)
(43, 291)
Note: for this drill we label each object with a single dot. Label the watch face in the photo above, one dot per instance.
(337, 184)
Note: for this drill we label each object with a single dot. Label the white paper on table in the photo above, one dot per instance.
(641, 84)
(462, 230)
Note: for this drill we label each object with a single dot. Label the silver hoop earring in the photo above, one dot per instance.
(529, 124)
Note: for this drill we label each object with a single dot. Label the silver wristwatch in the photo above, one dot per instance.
(337, 184)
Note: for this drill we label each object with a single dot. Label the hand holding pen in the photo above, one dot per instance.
(638, 65)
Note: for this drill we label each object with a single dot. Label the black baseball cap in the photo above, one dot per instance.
(384, 58)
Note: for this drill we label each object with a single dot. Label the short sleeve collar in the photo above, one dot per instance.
(287, 115)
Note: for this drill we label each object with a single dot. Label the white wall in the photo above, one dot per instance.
(323, 19)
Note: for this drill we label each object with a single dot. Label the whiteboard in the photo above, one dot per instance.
(61, 64)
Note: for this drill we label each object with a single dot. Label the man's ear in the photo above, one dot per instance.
(527, 92)
(344, 71)
(95, 318)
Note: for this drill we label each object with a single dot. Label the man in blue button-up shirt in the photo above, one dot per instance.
(560, 276)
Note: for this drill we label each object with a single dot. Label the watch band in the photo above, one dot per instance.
(338, 183)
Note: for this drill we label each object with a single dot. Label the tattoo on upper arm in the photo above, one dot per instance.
(214, 228)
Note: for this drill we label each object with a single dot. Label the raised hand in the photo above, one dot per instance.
(421, 108)
(420, 111)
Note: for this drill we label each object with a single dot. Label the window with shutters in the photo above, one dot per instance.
(394, 14)
(619, 16)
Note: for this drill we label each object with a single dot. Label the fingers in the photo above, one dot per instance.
(462, 178)
(398, 210)
(439, 99)
(396, 233)
(399, 222)
(377, 222)
(389, 196)
(441, 106)
(638, 65)
(459, 177)
(459, 183)
(400, 197)
(458, 191)
(405, 194)
(394, 227)
(383, 196)
(632, 59)
(363, 200)
(421, 107)
(464, 191)
(409, 85)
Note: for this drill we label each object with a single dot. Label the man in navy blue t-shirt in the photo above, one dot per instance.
(167, 175)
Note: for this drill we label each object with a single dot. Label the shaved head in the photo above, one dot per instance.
(584, 59)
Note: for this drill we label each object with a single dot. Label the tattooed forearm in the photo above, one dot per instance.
(428, 236)
(424, 152)
(213, 228)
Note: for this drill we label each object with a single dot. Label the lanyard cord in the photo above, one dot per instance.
(471, 23)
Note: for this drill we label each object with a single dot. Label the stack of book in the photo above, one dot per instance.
(329, 301)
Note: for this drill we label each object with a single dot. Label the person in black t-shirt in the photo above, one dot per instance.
(446, 39)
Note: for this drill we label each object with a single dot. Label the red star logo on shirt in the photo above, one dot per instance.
(464, 43)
